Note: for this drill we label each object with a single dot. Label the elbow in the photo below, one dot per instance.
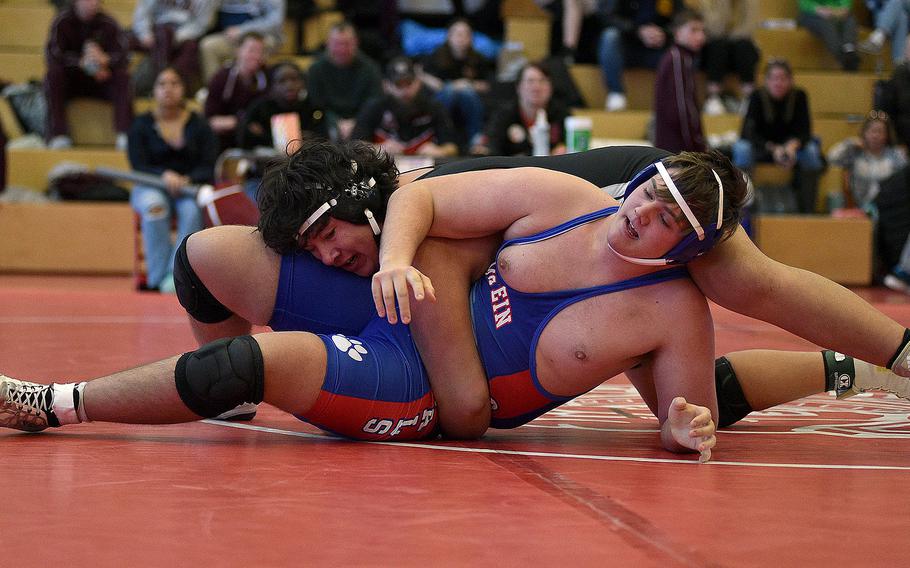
(468, 420)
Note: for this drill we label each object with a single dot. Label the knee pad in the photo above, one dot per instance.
(192, 293)
(731, 402)
(221, 375)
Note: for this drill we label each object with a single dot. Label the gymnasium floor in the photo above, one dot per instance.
(815, 483)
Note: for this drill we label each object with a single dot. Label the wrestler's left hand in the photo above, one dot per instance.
(692, 427)
(390, 284)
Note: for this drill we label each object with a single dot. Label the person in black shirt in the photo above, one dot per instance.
(406, 120)
(288, 95)
(777, 128)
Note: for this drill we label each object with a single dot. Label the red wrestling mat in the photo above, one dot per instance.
(815, 483)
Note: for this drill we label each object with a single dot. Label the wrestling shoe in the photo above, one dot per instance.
(240, 413)
(898, 280)
(26, 406)
(879, 378)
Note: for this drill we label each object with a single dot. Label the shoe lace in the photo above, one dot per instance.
(28, 403)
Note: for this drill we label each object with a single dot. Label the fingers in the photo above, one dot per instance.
(389, 286)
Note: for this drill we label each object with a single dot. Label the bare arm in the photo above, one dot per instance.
(739, 277)
(444, 335)
(677, 378)
(470, 205)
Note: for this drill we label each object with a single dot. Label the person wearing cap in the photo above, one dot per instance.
(406, 119)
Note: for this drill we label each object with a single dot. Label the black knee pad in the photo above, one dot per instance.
(220, 375)
(192, 293)
(731, 402)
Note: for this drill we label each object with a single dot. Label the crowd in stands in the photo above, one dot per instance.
(451, 100)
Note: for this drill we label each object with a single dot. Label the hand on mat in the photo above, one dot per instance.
(692, 427)
(390, 284)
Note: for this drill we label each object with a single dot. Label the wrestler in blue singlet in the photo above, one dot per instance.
(508, 324)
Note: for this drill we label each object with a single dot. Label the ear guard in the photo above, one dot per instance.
(696, 243)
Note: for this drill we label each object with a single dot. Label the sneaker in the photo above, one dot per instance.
(616, 102)
(122, 142)
(714, 106)
(883, 380)
(26, 406)
(898, 280)
(60, 143)
(873, 44)
(241, 413)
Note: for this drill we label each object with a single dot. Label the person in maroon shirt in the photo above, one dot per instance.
(86, 56)
(233, 88)
(677, 118)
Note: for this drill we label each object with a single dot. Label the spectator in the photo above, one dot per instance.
(867, 160)
(677, 121)
(287, 95)
(342, 80)
(406, 120)
(634, 35)
(729, 49)
(833, 23)
(570, 17)
(892, 20)
(86, 56)
(508, 131)
(897, 98)
(177, 145)
(233, 19)
(169, 31)
(459, 75)
(233, 88)
(778, 128)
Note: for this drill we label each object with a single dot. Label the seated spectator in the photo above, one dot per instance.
(177, 145)
(342, 80)
(86, 55)
(729, 49)
(287, 96)
(169, 32)
(892, 20)
(834, 24)
(459, 75)
(896, 101)
(406, 120)
(634, 35)
(867, 160)
(233, 19)
(677, 121)
(569, 18)
(778, 128)
(233, 88)
(508, 132)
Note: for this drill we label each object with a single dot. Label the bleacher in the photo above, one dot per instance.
(838, 101)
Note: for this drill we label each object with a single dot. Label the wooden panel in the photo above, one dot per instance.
(639, 86)
(777, 9)
(837, 93)
(839, 249)
(629, 124)
(67, 237)
(532, 33)
(25, 26)
(28, 168)
(22, 66)
(805, 51)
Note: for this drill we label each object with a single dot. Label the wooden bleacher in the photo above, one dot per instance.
(838, 100)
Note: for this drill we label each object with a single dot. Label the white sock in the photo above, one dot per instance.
(68, 403)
